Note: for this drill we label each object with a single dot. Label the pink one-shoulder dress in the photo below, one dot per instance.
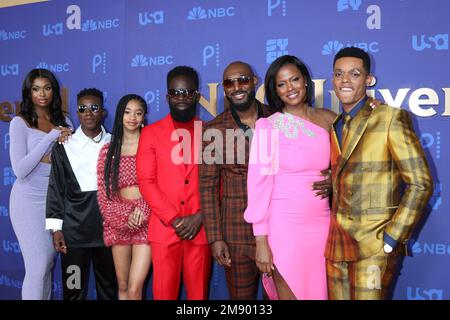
(286, 157)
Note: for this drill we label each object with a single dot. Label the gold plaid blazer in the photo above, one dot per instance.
(381, 183)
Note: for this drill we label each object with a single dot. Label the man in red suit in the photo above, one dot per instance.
(167, 174)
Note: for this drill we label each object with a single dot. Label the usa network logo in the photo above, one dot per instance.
(332, 47)
(140, 60)
(198, 13)
(422, 294)
(12, 35)
(156, 17)
(439, 249)
(436, 42)
(54, 67)
(11, 246)
(9, 69)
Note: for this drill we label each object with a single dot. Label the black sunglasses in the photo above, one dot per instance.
(181, 93)
(241, 80)
(93, 107)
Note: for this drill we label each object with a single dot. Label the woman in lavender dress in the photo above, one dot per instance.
(32, 134)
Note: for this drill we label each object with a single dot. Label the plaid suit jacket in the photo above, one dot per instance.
(381, 155)
(223, 186)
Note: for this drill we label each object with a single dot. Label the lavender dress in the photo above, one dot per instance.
(27, 205)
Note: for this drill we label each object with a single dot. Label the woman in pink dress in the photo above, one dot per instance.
(288, 152)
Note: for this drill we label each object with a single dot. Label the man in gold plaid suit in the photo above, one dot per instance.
(381, 185)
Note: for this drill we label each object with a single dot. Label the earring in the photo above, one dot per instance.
(142, 125)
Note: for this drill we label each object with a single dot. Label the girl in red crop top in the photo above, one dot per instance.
(124, 211)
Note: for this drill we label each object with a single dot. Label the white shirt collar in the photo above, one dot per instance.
(82, 153)
(82, 140)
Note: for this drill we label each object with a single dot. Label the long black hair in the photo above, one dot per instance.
(27, 110)
(112, 161)
(275, 103)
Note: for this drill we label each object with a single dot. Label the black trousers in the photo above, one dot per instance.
(75, 266)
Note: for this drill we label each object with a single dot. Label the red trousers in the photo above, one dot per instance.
(172, 260)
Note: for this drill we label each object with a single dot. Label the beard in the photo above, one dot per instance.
(244, 105)
(183, 115)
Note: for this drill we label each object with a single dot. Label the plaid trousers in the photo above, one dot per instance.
(367, 279)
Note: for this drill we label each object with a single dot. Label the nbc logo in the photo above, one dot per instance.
(198, 13)
(142, 61)
(431, 248)
(331, 47)
(139, 61)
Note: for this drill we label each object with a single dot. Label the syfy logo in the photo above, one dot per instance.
(436, 42)
(275, 48)
(9, 69)
(56, 67)
(198, 13)
(3, 211)
(211, 52)
(12, 35)
(438, 249)
(343, 5)
(7, 282)
(73, 22)
(152, 99)
(156, 17)
(422, 294)
(372, 22)
(142, 61)
(332, 47)
(428, 140)
(9, 246)
(8, 176)
(99, 63)
(274, 4)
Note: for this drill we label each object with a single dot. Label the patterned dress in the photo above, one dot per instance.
(115, 212)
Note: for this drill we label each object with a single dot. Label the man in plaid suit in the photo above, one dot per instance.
(374, 153)
(223, 184)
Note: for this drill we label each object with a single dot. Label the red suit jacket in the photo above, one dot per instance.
(171, 190)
